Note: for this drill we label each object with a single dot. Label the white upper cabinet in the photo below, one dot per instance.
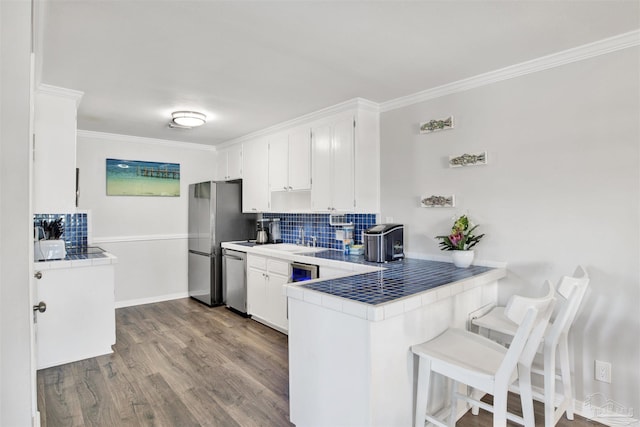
(229, 163)
(290, 161)
(345, 163)
(255, 185)
(54, 156)
(300, 159)
(279, 163)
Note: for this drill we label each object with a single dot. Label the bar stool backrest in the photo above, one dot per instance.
(532, 315)
(572, 289)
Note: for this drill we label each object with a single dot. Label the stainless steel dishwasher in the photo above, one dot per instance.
(234, 280)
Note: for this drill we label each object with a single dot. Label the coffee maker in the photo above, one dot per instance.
(262, 231)
(274, 231)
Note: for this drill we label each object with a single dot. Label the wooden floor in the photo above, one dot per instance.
(180, 363)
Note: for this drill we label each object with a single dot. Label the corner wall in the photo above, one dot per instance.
(561, 188)
(17, 368)
(147, 234)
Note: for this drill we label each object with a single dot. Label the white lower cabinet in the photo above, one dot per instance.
(79, 321)
(266, 301)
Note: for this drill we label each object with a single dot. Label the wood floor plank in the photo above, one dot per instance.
(168, 402)
(133, 407)
(207, 410)
(61, 404)
(98, 408)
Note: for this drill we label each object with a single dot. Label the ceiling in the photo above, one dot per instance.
(251, 64)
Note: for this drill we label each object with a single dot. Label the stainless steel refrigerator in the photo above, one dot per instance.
(215, 216)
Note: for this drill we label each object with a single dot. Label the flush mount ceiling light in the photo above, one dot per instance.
(187, 119)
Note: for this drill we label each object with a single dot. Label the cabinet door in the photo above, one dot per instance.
(322, 169)
(277, 301)
(300, 160)
(221, 166)
(343, 165)
(80, 318)
(54, 164)
(234, 162)
(255, 185)
(278, 163)
(256, 293)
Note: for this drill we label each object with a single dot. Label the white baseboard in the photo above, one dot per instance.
(151, 300)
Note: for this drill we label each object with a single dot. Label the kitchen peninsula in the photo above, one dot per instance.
(350, 330)
(349, 337)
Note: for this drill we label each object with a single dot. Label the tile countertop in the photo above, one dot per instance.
(379, 291)
(85, 257)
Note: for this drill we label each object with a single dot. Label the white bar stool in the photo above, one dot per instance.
(571, 291)
(485, 365)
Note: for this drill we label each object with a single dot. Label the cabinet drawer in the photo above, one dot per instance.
(278, 267)
(257, 262)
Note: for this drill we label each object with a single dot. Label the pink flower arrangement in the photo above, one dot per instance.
(461, 237)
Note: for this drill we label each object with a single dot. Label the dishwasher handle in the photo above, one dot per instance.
(228, 254)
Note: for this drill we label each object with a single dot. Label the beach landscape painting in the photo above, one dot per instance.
(139, 178)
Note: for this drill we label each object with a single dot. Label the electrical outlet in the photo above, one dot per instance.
(603, 371)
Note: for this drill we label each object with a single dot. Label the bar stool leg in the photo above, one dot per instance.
(500, 406)
(454, 404)
(422, 392)
(565, 370)
(526, 395)
(549, 386)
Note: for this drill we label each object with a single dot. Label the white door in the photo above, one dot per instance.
(278, 163)
(234, 162)
(321, 169)
(300, 160)
(343, 162)
(221, 166)
(277, 300)
(255, 185)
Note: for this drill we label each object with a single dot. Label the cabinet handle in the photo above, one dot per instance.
(41, 307)
(38, 275)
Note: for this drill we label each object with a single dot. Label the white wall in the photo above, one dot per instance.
(147, 234)
(561, 189)
(17, 385)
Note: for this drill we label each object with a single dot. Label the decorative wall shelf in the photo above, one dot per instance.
(468, 160)
(438, 201)
(436, 125)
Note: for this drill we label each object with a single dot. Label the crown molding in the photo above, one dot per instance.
(352, 104)
(579, 53)
(142, 140)
(75, 95)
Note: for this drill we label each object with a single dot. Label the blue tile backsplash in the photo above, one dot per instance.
(318, 225)
(75, 229)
